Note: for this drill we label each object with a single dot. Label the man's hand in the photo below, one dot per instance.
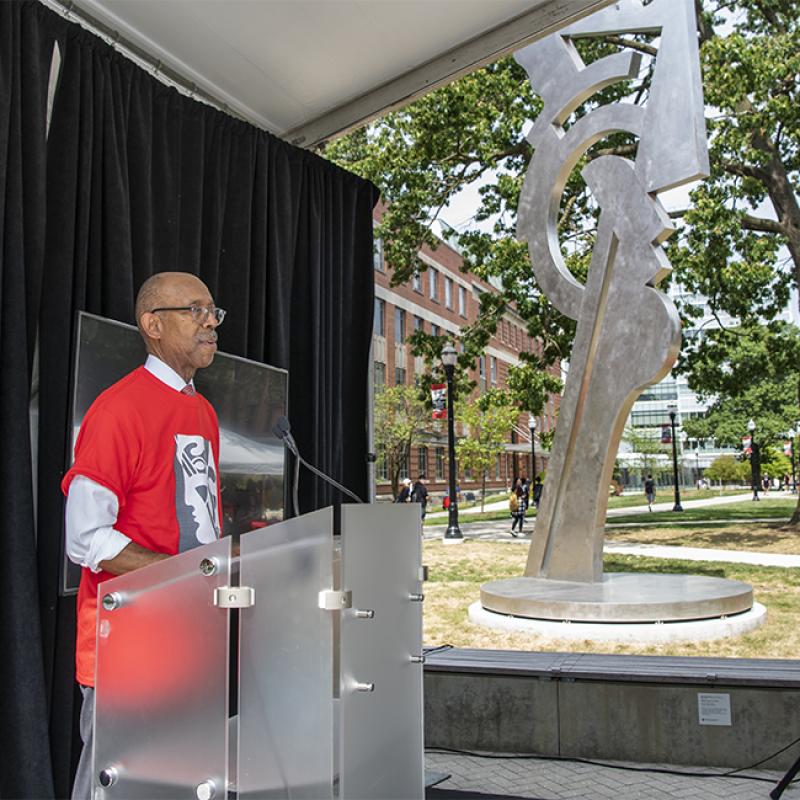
(132, 556)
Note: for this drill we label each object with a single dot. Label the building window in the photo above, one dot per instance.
(403, 467)
(440, 463)
(435, 329)
(661, 391)
(434, 284)
(448, 292)
(382, 468)
(380, 373)
(377, 254)
(399, 376)
(419, 324)
(462, 301)
(416, 282)
(482, 373)
(379, 318)
(422, 461)
(492, 370)
(399, 325)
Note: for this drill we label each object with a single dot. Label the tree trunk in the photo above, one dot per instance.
(795, 520)
(483, 490)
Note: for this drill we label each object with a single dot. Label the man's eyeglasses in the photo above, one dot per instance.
(200, 314)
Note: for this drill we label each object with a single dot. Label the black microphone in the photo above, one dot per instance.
(283, 430)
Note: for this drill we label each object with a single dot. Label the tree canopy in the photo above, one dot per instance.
(737, 245)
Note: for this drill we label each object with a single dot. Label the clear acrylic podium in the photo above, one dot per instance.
(329, 680)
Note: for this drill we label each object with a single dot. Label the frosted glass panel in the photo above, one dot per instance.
(161, 703)
(285, 663)
(381, 731)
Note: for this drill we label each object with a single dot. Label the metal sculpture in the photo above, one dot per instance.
(628, 332)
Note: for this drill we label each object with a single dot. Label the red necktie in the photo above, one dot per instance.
(188, 390)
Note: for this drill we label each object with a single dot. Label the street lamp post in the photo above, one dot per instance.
(453, 532)
(792, 437)
(754, 466)
(532, 427)
(697, 466)
(673, 412)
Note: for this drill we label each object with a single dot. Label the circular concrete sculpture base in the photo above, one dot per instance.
(639, 632)
(621, 607)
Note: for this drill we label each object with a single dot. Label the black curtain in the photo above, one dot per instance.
(25, 48)
(141, 179)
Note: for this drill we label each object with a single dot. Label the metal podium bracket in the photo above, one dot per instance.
(331, 600)
(234, 596)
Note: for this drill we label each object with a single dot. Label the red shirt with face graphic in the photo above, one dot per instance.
(157, 450)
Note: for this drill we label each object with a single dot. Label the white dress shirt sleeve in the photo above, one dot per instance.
(90, 517)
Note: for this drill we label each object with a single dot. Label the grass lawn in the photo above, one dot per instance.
(665, 495)
(456, 574)
(771, 508)
(764, 537)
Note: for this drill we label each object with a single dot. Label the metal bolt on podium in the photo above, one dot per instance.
(108, 777)
(209, 566)
(206, 790)
(112, 601)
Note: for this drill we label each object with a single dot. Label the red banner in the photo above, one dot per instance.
(666, 434)
(787, 448)
(747, 445)
(439, 400)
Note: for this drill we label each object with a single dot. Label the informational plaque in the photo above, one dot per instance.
(714, 709)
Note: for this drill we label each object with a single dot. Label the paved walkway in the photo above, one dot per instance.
(566, 780)
(500, 531)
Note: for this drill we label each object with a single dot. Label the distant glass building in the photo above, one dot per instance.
(650, 418)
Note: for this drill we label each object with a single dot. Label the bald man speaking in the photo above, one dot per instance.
(144, 484)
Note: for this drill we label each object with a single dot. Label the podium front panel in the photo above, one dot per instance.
(381, 671)
(285, 662)
(161, 697)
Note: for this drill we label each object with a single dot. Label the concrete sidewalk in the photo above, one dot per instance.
(545, 779)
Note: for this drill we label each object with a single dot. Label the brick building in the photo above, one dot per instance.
(439, 300)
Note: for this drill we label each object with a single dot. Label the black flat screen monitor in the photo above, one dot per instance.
(247, 396)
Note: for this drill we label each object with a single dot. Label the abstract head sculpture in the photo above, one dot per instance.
(628, 332)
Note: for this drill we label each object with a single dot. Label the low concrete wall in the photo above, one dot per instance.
(620, 720)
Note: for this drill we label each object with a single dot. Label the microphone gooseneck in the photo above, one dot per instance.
(282, 429)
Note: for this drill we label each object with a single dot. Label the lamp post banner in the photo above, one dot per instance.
(439, 400)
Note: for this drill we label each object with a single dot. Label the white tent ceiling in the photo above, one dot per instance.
(307, 70)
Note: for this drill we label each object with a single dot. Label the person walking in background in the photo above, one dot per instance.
(405, 493)
(526, 495)
(537, 491)
(419, 494)
(650, 491)
(515, 507)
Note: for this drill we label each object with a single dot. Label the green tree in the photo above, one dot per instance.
(401, 419)
(728, 469)
(487, 422)
(650, 456)
(731, 245)
(748, 372)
